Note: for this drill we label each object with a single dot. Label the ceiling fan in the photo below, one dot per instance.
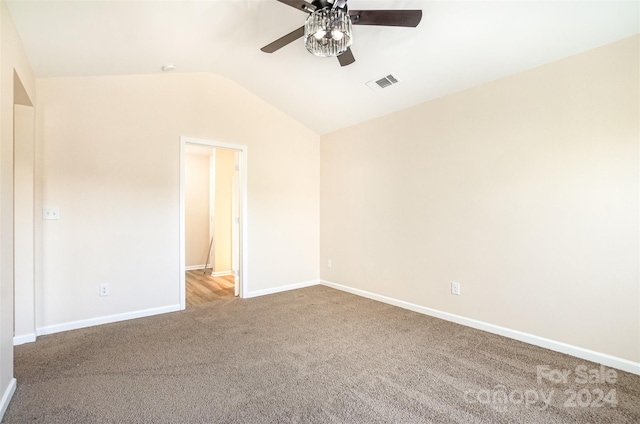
(327, 30)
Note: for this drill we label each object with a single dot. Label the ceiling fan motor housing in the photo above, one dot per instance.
(327, 32)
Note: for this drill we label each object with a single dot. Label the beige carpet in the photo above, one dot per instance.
(310, 355)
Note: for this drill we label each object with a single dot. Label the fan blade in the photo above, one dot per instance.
(346, 58)
(403, 18)
(283, 41)
(300, 5)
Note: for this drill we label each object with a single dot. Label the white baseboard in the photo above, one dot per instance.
(586, 354)
(279, 289)
(213, 274)
(6, 397)
(74, 325)
(194, 267)
(25, 338)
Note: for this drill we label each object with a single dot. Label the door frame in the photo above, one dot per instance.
(242, 226)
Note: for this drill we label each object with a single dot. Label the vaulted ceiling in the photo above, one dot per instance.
(457, 45)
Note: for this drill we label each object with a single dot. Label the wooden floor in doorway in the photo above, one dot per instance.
(203, 288)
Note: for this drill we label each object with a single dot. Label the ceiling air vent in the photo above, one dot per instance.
(384, 82)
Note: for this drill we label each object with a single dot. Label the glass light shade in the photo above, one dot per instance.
(327, 32)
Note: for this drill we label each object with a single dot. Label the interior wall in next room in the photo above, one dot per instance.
(224, 172)
(197, 208)
(24, 198)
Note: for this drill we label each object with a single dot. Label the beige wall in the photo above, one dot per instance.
(225, 169)
(24, 196)
(196, 209)
(110, 162)
(524, 190)
(12, 59)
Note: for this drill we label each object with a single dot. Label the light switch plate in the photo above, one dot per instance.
(50, 213)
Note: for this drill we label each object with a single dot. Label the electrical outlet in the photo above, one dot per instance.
(455, 288)
(104, 289)
(329, 263)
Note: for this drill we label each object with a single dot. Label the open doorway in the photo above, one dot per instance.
(209, 212)
(212, 211)
(24, 329)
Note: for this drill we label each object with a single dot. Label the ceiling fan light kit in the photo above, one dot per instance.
(327, 32)
(328, 29)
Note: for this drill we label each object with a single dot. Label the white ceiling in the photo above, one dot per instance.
(457, 45)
